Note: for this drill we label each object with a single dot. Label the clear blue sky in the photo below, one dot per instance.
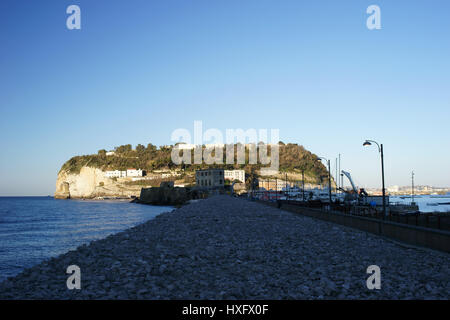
(137, 70)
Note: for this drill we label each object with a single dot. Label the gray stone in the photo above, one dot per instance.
(229, 248)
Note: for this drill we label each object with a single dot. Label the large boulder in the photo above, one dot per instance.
(164, 195)
(167, 184)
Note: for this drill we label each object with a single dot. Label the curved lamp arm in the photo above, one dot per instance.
(322, 158)
(369, 142)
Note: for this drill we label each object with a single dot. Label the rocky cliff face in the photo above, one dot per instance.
(91, 183)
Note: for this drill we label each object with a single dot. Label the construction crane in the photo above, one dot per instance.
(361, 194)
(349, 177)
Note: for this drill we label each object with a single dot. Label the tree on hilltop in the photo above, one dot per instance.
(124, 148)
(102, 153)
(140, 148)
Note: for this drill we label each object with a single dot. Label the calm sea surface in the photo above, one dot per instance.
(33, 229)
(426, 203)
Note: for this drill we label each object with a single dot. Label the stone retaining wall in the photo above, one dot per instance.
(419, 236)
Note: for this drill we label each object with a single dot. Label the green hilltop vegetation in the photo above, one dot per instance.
(293, 158)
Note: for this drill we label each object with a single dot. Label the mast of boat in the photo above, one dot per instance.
(336, 177)
(412, 187)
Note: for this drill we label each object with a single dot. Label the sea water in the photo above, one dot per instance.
(426, 203)
(33, 229)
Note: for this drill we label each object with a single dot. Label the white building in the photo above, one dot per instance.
(170, 175)
(189, 146)
(235, 175)
(393, 189)
(115, 174)
(274, 184)
(185, 146)
(214, 145)
(134, 172)
(123, 174)
(110, 153)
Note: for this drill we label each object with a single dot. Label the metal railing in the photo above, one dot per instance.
(439, 221)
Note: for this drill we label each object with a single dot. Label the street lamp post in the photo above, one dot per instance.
(303, 184)
(380, 150)
(329, 177)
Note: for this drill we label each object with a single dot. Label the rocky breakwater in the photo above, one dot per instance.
(90, 183)
(163, 196)
(230, 248)
(167, 194)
